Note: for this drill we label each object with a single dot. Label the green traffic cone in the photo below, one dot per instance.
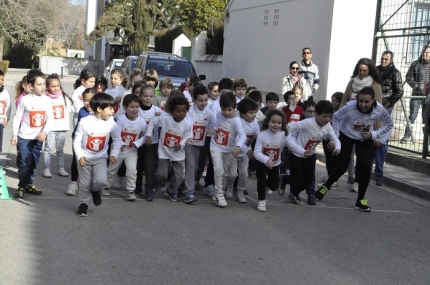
(4, 193)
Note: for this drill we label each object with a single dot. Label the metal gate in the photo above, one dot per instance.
(403, 26)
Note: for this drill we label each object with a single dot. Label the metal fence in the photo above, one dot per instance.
(402, 26)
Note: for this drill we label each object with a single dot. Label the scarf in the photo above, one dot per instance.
(54, 96)
(358, 84)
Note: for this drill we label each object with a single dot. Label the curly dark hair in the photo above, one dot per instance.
(370, 65)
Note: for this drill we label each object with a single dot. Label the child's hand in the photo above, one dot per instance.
(189, 141)
(112, 159)
(41, 136)
(148, 141)
(177, 147)
(308, 152)
(14, 140)
(366, 135)
(157, 114)
(236, 150)
(211, 132)
(330, 146)
(82, 161)
(250, 154)
(4, 123)
(269, 164)
(123, 147)
(377, 143)
(336, 151)
(118, 99)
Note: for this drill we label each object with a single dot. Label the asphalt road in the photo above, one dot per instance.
(42, 241)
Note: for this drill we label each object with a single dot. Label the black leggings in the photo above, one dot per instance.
(272, 180)
(364, 152)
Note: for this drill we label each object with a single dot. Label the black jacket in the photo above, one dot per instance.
(418, 77)
(392, 88)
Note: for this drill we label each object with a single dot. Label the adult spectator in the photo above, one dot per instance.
(293, 79)
(309, 71)
(418, 79)
(392, 91)
(364, 75)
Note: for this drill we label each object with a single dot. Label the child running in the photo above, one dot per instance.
(35, 112)
(4, 108)
(131, 128)
(118, 79)
(90, 145)
(83, 112)
(61, 106)
(175, 135)
(22, 88)
(86, 80)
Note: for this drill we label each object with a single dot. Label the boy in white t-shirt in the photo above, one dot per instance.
(35, 112)
(90, 145)
(4, 108)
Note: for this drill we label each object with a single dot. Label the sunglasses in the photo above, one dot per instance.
(296, 68)
(306, 52)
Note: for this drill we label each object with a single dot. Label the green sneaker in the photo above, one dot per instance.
(361, 205)
(20, 192)
(321, 192)
(33, 190)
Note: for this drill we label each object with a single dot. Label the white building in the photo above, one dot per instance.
(94, 10)
(262, 37)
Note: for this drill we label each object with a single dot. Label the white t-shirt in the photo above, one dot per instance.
(269, 146)
(201, 122)
(148, 115)
(4, 105)
(61, 113)
(228, 135)
(251, 129)
(132, 133)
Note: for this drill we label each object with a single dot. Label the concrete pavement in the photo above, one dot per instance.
(42, 241)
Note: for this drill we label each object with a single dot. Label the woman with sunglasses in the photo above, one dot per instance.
(293, 79)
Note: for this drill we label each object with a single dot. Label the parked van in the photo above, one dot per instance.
(167, 65)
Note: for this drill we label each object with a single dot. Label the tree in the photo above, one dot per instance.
(196, 14)
(70, 31)
(133, 21)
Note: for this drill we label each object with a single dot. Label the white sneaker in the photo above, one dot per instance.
(71, 189)
(334, 186)
(229, 192)
(118, 182)
(131, 196)
(268, 191)
(106, 192)
(62, 172)
(47, 173)
(354, 187)
(240, 197)
(261, 206)
(220, 200)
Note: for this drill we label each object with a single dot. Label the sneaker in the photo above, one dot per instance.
(354, 187)
(268, 191)
(33, 190)
(164, 189)
(131, 196)
(209, 191)
(97, 199)
(361, 205)
(118, 182)
(229, 192)
(282, 181)
(252, 174)
(62, 172)
(261, 207)
(293, 199)
(379, 181)
(240, 197)
(334, 186)
(311, 200)
(83, 210)
(71, 189)
(149, 196)
(181, 195)
(351, 180)
(321, 192)
(20, 192)
(245, 192)
(198, 186)
(190, 198)
(47, 173)
(172, 198)
(106, 192)
(220, 200)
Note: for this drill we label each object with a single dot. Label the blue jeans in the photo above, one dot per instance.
(30, 151)
(380, 154)
(414, 107)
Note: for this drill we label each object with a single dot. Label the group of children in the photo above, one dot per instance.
(169, 135)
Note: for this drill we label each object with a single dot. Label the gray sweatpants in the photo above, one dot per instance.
(177, 176)
(92, 177)
(130, 159)
(192, 153)
(242, 168)
(225, 165)
(58, 138)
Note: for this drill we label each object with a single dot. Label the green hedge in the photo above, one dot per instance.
(215, 35)
(164, 39)
(4, 65)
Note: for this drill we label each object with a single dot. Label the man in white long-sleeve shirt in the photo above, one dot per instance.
(35, 111)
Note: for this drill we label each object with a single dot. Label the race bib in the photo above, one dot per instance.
(2, 107)
(312, 144)
(172, 138)
(199, 131)
(128, 138)
(294, 118)
(37, 119)
(58, 112)
(95, 142)
(221, 136)
(272, 152)
(249, 139)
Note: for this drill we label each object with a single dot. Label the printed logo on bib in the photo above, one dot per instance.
(171, 138)
(221, 136)
(58, 112)
(294, 118)
(2, 107)
(361, 127)
(249, 139)
(95, 143)
(272, 152)
(128, 138)
(312, 144)
(353, 96)
(37, 119)
(199, 129)
(162, 105)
